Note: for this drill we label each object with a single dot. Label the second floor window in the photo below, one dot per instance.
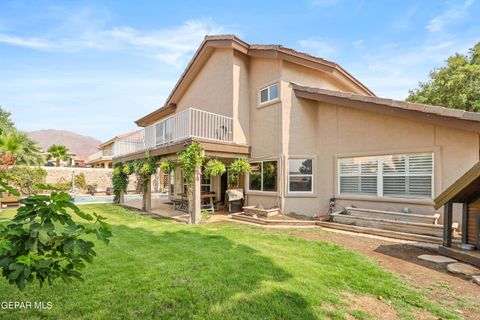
(269, 93)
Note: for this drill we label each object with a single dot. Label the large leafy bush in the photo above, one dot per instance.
(44, 243)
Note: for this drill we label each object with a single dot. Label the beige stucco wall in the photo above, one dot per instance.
(211, 90)
(327, 132)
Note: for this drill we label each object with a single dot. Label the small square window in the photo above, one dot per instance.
(269, 93)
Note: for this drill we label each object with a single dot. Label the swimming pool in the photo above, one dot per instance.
(85, 199)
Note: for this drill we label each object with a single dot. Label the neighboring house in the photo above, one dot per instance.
(117, 146)
(311, 131)
(70, 162)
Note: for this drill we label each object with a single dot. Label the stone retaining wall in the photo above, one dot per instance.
(99, 176)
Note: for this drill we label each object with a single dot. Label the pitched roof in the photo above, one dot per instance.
(446, 116)
(271, 51)
(465, 188)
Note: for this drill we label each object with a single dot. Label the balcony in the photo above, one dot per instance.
(187, 124)
(101, 155)
(130, 144)
(190, 123)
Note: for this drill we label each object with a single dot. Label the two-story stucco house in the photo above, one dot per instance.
(311, 131)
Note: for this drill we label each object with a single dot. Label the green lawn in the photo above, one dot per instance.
(158, 269)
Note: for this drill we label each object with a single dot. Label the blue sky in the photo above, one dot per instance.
(94, 67)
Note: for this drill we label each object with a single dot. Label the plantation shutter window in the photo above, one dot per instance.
(359, 175)
(399, 175)
(408, 175)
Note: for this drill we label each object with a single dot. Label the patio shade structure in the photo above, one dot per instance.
(466, 190)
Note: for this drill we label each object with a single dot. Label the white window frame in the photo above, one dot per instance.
(261, 177)
(268, 88)
(380, 176)
(301, 175)
(206, 184)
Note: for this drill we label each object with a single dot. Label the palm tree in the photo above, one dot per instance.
(59, 153)
(17, 148)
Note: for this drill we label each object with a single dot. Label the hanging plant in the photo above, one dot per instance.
(167, 166)
(239, 166)
(128, 168)
(214, 168)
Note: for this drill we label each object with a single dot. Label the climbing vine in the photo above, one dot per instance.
(142, 168)
(189, 159)
(119, 180)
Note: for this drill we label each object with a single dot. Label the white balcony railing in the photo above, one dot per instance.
(130, 144)
(95, 157)
(190, 123)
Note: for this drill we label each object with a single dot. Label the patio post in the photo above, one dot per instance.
(121, 199)
(464, 223)
(447, 224)
(147, 196)
(196, 201)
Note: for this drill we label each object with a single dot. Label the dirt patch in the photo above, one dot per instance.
(376, 308)
(401, 258)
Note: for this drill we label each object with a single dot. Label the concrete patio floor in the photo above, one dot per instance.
(164, 208)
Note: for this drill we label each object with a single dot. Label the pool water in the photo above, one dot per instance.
(109, 199)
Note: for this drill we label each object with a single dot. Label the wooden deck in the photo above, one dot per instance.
(471, 257)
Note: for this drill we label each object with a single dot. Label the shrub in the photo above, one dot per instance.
(26, 179)
(44, 243)
(81, 181)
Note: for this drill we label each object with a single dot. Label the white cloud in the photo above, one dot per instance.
(170, 45)
(317, 47)
(323, 3)
(359, 44)
(455, 12)
(394, 69)
(33, 43)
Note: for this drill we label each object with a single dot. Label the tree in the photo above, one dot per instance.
(5, 121)
(59, 153)
(456, 85)
(17, 148)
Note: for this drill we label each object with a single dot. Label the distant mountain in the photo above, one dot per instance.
(82, 146)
